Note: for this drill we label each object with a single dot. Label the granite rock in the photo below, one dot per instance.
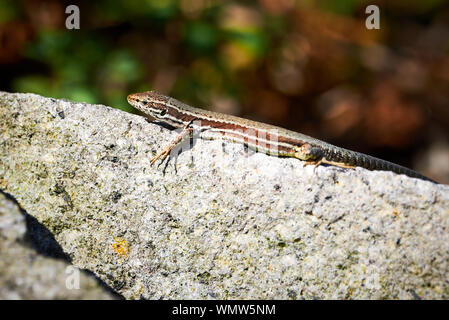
(27, 272)
(217, 222)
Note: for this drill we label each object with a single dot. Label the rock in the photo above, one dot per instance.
(224, 225)
(27, 274)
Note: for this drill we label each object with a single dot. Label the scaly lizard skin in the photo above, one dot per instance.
(259, 136)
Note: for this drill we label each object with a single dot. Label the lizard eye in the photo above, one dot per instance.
(163, 112)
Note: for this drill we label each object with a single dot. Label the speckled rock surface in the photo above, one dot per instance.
(27, 274)
(225, 225)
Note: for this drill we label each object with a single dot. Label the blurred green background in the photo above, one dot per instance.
(310, 65)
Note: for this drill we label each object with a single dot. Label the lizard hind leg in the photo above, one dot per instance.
(314, 163)
(336, 164)
(323, 160)
(315, 156)
(311, 155)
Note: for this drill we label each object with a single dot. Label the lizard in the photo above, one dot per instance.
(258, 136)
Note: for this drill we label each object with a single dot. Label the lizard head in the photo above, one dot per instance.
(162, 108)
(151, 103)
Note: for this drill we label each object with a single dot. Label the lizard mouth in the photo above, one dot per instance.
(132, 98)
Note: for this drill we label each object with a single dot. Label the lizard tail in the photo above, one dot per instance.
(371, 163)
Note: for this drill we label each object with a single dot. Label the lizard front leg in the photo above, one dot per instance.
(164, 153)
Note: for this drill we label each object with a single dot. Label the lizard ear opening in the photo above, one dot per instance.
(163, 112)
